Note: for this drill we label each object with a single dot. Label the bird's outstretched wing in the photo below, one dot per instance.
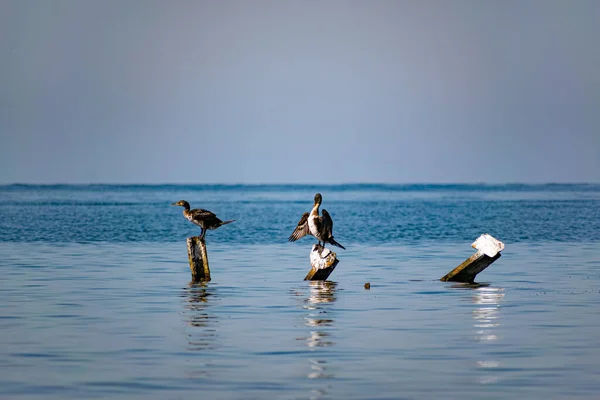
(327, 221)
(201, 214)
(301, 230)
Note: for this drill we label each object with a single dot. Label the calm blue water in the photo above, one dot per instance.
(95, 300)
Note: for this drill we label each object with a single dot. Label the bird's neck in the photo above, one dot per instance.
(315, 209)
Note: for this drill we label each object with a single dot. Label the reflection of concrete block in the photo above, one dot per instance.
(323, 261)
(488, 251)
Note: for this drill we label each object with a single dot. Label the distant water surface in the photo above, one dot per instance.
(96, 302)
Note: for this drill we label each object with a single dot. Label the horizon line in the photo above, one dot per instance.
(507, 183)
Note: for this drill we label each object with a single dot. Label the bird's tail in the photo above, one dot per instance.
(227, 222)
(333, 242)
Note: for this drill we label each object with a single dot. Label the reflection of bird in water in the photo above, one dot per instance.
(197, 298)
(320, 226)
(203, 333)
(197, 294)
(203, 218)
(318, 370)
(318, 339)
(322, 292)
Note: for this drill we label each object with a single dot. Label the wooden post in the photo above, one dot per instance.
(323, 261)
(488, 251)
(198, 258)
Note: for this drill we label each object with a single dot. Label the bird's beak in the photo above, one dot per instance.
(174, 204)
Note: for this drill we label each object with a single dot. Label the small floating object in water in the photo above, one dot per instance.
(368, 285)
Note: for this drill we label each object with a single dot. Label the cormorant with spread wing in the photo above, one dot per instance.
(320, 226)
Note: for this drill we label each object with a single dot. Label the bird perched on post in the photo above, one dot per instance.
(203, 218)
(320, 226)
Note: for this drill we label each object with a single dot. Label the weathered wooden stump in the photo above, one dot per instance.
(323, 261)
(488, 251)
(198, 258)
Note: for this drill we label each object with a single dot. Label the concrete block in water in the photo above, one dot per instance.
(488, 250)
(323, 261)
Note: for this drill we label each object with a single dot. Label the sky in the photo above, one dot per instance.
(299, 91)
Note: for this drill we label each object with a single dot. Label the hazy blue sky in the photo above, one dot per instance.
(299, 91)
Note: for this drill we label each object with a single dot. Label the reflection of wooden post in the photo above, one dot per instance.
(198, 258)
(323, 261)
(488, 251)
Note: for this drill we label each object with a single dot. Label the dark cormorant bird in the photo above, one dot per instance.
(203, 218)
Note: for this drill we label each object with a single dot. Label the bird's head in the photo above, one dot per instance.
(182, 203)
(318, 198)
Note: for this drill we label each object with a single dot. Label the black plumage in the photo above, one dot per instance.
(205, 219)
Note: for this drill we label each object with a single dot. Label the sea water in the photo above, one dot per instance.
(95, 300)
